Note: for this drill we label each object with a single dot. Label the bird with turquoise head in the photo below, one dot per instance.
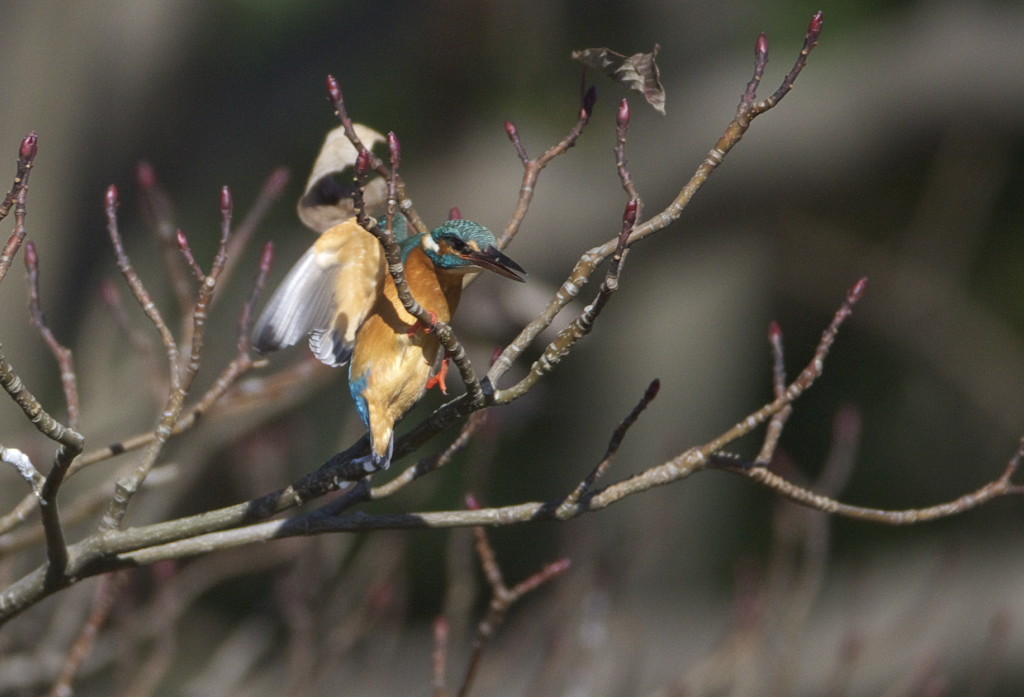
(340, 295)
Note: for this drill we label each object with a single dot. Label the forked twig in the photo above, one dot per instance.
(613, 447)
(181, 376)
(65, 362)
(17, 197)
(588, 262)
(502, 597)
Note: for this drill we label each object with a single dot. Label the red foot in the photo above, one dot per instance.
(439, 379)
(419, 326)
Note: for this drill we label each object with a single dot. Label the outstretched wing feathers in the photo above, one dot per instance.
(326, 295)
(303, 302)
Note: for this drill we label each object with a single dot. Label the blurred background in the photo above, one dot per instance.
(899, 156)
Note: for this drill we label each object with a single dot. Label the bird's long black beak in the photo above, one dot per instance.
(493, 260)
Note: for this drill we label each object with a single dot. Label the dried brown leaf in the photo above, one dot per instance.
(327, 198)
(637, 72)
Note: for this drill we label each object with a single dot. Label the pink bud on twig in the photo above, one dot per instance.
(227, 203)
(629, 215)
(31, 257)
(472, 503)
(333, 89)
(363, 162)
(512, 131)
(622, 117)
(814, 27)
(29, 146)
(857, 291)
(111, 196)
(557, 567)
(761, 48)
(394, 150)
(454, 213)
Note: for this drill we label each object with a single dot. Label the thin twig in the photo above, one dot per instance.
(622, 117)
(396, 267)
(440, 656)
(17, 197)
(778, 422)
(613, 447)
(803, 381)
(141, 342)
(502, 598)
(26, 158)
(435, 462)
(1003, 486)
(371, 161)
(582, 325)
(156, 205)
(70, 445)
(245, 318)
(242, 234)
(103, 602)
(126, 487)
(65, 362)
(124, 265)
(186, 252)
(533, 168)
(745, 113)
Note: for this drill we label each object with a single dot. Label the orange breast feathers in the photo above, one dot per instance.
(393, 356)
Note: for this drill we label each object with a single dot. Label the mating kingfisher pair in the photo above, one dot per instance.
(341, 296)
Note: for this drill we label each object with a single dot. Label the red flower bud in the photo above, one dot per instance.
(226, 201)
(761, 49)
(333, 89)
(816, 21)
(622, 117)
(394, 149)
(363, 160)
(629, 215)
(29, 146)
(857, 291)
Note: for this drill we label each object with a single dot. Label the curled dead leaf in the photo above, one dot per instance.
(637, 72)
(327, 198)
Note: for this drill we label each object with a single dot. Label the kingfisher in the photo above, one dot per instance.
(340, 295)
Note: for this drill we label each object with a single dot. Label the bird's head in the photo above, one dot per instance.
(462, 245)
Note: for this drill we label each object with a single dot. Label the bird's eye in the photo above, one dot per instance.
(457, 244)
